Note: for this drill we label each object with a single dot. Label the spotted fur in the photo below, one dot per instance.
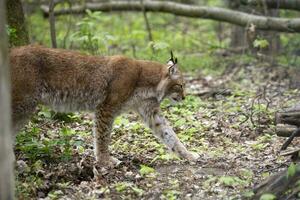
(70, 81)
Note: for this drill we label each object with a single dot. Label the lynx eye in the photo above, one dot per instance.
(179, 85)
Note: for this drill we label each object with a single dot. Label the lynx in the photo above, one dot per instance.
(70, 81)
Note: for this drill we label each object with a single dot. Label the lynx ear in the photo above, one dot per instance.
(172, 56)
(172, 69)
(172, 64)
(172, 59)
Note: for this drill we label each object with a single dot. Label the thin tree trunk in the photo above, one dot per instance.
(237, 34)
(241, 38)
(16, 22)
(271, 36)
(148, 27)
(6, 150)
(52, 23)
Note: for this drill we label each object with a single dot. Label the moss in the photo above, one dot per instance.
(16, 22)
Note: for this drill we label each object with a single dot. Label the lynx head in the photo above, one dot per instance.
(171, 85)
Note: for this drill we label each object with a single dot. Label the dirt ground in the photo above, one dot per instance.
(228, 120)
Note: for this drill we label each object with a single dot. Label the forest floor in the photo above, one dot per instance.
(228, 120)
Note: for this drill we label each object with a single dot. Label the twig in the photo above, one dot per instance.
(290, 139)
(266, 98)
(260, 96)
(273, 168)
(290, 153)
(246, 119)
(252, 109)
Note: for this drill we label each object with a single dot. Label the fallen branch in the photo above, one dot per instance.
(278, 184)
(294, 152)
(285, 130)
(212, 92)
(289, 116)
(288, 123)
(214, 13)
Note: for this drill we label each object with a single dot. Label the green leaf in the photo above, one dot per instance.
(261, 43)
(120, 187)
(227, 180)
(137, 190)
(65, 131)
(267, 196)
(145, 170)
(291, 170)
(45, 112)
(248, 194)
(232, 181)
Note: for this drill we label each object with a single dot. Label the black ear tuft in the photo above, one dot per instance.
(175, 61)
(172, 57)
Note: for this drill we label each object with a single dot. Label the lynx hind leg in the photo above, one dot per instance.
(102, 136)
(165, 133)
(21, 113)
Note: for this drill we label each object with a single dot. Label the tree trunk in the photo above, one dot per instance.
(242, 38)
(271, 36)
(52, 24)
(219, 14)
(16, 22)
(6, 150)
(237, 33)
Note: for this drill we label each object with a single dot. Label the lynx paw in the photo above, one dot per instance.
(192, 157)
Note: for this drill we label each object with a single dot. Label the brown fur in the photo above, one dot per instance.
(68, 81)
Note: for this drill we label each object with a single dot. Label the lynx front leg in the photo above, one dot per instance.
(103, 123)
(165, 133)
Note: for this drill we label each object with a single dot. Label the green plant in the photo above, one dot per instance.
(267, 196)
(291, 170)
(231, 181)
(261, 43)
(87, 38)
(146, 170)
(11, 32)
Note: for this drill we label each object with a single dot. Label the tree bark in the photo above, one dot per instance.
(277, 4)
(52, 24)
(237, 33)
(6, 150)
(274, 37)
(16, 21)
(215, 13)
(289, 116)
(285, 130)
